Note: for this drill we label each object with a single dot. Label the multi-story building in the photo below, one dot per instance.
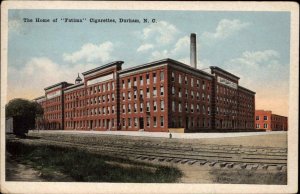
(265, 120)
(155, 96)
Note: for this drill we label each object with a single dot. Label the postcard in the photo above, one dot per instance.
(149, 97)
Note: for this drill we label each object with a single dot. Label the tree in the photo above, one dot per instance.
(24, 113)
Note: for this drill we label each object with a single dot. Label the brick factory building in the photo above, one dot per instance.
(265, 120)
(155, 96)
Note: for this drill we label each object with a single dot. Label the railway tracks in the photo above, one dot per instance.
(215, 156)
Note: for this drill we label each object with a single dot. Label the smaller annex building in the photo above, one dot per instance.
(265, 120)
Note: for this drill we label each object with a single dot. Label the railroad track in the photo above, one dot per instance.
(216, 156)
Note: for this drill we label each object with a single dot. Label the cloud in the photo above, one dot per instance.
(225, 29)
(257, 59)
(144, 47)
(262, 72)
(38, 73)
(91, 53)
(160, 33)
(182, 45)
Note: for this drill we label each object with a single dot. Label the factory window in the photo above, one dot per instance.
(173, 90)
(186, 93)
(198, 96)
(108, 86)
(186, 107)
(192, 94)
(192, 122)
(203, 97)
(162, 105)
(103, 88)
(265, 118)
(179, 107)
(112, 97)
(134, 81)
(173, 77)
(185, 80)
(179, 79)
(129, 122)
(179, 93)
(173, 106)
(192, 108)
(123, 122)
(161, 121)
(108, 97)
(154, 78)
(123, 109)
(148, 93)
(141, 80)
(203, 109)
(161, 76)
(123, 96)
(257, 126)
(257, 118)
(129, 108)
(108, 110)
(154, 106)
(147, 79)
(208, 98)
(148, 121)
(148, 107)
(128, 83)
(134, 94)
(141, 107)
(265, 125)
(112, 109)
(154, 91)
(129, 95)
(203, 85)
(135, 122)
(135, 107)
(113, 86)
(154, 122)
(161, 90)
(179, 121)
(198, 108)
(192, 82)
(208, 110)
(141, 94)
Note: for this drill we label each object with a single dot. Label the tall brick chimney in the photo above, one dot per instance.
(193, 51)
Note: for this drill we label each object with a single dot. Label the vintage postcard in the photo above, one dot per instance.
(149, 97)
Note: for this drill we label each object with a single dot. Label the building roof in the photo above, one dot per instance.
(151, 64)
(73, 86)
(102, 67)
(58, 84)
(222, 70)
(250, 91)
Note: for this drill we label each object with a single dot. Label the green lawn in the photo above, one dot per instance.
(82, 166)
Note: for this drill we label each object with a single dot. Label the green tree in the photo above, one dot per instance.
(24, 113)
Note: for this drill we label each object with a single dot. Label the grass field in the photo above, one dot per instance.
(86, 167)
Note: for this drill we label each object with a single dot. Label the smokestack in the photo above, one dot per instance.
(193, 51)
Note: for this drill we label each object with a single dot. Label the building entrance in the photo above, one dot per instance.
(91, 124)
(141, 120)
